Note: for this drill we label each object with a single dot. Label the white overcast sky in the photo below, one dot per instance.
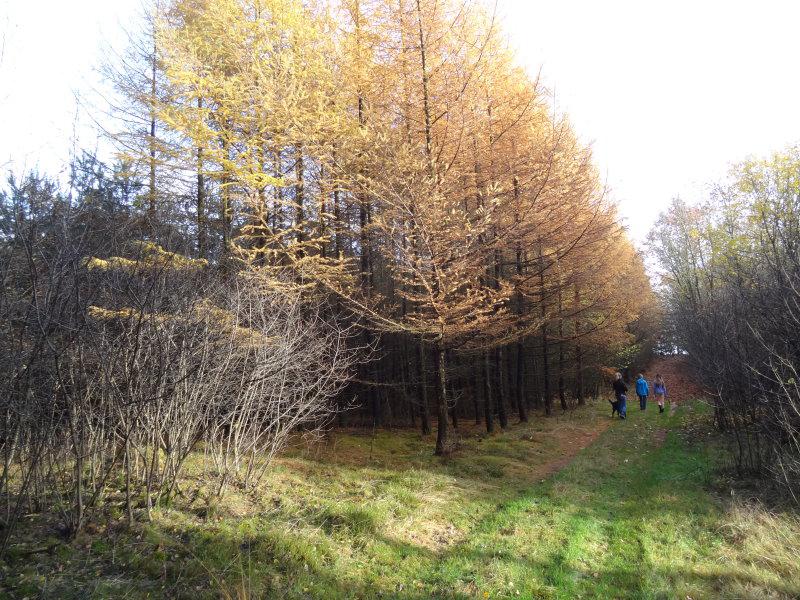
(668, 92)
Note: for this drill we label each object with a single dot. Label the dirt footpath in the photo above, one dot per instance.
(677, 374)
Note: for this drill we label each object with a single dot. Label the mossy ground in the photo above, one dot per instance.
(635, 510)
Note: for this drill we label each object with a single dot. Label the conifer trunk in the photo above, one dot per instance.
(520, 366)
(579, 393)
(502, 415)
(520, 375)
(299, 196)
(441, 399)
(202, 241)
(488, 413)
(422, 391)
(561, 359)
(404, 374)
(452, 394)
(225, 200)
(151, 209)
(425, 93)
(548, 400)
(475, 386)
(375, 391)
(535, 388)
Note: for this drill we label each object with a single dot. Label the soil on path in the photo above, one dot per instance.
(681, 384)
(571, 444)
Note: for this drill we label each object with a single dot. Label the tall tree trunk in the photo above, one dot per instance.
(452, 394)
(322, 211)
(202, 240)
(375, 391)
(502, 415)
(336, 230)
(562, 397)
(151, 209)
(441, 399)
(548, 400)
(404, 374)
(536, 387)
(277, 212)
(364, 243)
(363, 215)
(488, 413)
(520, 372)
(475, 386)
(579, 393)
(422, 390)
(425, 94)
(227, 217)
(299, 196)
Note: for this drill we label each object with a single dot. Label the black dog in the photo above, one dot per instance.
(614, 408)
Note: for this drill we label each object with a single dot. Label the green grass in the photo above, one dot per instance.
(638, 513)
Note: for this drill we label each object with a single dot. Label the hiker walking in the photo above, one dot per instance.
(660, 391)
(642, 390)
(620, 389)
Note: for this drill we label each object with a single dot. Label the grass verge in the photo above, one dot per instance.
(632, 513)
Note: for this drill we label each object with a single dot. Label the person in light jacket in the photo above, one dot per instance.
(642, 390)
(660, 391)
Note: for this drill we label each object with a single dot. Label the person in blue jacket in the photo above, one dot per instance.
(642, 390)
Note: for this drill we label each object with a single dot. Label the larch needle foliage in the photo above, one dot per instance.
(392, 154)
(255, 92)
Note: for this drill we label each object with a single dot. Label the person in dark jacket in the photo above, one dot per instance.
(642, 390)
(620, 391)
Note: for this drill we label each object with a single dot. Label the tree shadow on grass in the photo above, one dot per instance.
(345, 551)
(291, 577)
(607, 502)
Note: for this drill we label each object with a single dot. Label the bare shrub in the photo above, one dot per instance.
(732, 288)
(116, 369)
